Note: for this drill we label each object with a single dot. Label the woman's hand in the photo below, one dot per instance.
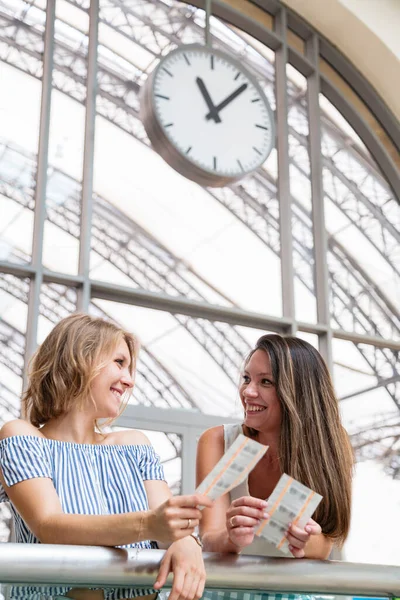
(298, 537)
(176, 518)
(184, 559)
(243, 515)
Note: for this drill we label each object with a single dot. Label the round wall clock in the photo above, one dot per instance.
(207, 116)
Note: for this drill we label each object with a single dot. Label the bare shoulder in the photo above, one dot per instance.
(209, 450)
(213, 436)
(19, 427)
(129, 437)
(211, 444)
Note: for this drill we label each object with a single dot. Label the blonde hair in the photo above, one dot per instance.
(64, 366)
(314, 446)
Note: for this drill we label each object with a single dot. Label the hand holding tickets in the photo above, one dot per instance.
(233, 468)
(290, 502)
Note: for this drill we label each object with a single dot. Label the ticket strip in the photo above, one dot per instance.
(290, 502)
(232, 468)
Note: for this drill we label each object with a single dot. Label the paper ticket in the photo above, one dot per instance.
(290, 502)
(233, 467)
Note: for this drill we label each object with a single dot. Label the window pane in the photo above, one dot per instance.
(300, 189)
(363, 223)
(18, 148)
(367, 380)
(164, 233)
(13, 309)
(62, 225)
(56, 303)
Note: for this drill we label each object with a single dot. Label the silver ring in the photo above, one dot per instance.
(189, 524)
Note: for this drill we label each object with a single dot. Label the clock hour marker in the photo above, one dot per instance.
(240, 164)
(236, 76)
(188, 150)
(212, 61)
(168, 72)
(186, 58)
(256, 100)
(168, 125)
(257, 150)
(215, 163)
(262, 127)
(161, 96)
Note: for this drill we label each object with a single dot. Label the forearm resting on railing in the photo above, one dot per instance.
(318, 547)
(95, 530)
(218, 541)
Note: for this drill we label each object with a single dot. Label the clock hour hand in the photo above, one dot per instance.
(213, 114)
(227, 101)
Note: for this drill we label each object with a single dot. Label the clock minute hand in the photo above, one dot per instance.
(227, 101)
(213, 114)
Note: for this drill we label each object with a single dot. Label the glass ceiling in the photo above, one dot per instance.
(154, 230)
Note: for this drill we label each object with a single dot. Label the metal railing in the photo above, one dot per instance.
(83, 566)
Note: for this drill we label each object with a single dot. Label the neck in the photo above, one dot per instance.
(272, 441)
(74, 426)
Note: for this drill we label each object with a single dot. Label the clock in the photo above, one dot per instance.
(207, 115)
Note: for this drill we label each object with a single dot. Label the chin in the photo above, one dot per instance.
(250, 423)
(110, 414)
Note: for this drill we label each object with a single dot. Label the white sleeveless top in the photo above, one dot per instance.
(260, 546)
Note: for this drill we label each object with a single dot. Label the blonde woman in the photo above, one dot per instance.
(289, 405)
(69, 483)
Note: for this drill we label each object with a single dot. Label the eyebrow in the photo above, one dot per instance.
(259, 374)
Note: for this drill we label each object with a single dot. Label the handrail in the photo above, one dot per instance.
(89, 566)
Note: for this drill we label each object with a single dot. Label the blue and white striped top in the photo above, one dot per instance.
(90, 479)
(96, 479)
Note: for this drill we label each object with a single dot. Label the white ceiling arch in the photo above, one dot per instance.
(343, 23)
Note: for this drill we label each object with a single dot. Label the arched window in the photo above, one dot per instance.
(306, 245)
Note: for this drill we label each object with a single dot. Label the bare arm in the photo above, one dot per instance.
(319, 546)
(213, 524)
(51, 525)
(47, 521)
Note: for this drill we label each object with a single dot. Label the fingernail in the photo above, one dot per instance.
(308, 528)
(265, 515)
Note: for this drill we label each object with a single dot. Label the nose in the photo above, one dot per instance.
(127, 379)
(250, 391)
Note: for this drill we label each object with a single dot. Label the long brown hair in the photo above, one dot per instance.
(314, 447)
(64, 366)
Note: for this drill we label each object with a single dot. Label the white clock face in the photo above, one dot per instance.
(212, 111)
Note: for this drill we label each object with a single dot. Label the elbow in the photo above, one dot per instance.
(321, 550)
(44, 534)
(47, 532)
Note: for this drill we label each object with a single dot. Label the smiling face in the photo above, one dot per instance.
(112, 382)
(258, 395)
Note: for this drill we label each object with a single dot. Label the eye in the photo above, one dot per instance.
(246, 379)
(120, 361)
(267, 382)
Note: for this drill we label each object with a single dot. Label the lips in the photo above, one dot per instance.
(118, 393)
